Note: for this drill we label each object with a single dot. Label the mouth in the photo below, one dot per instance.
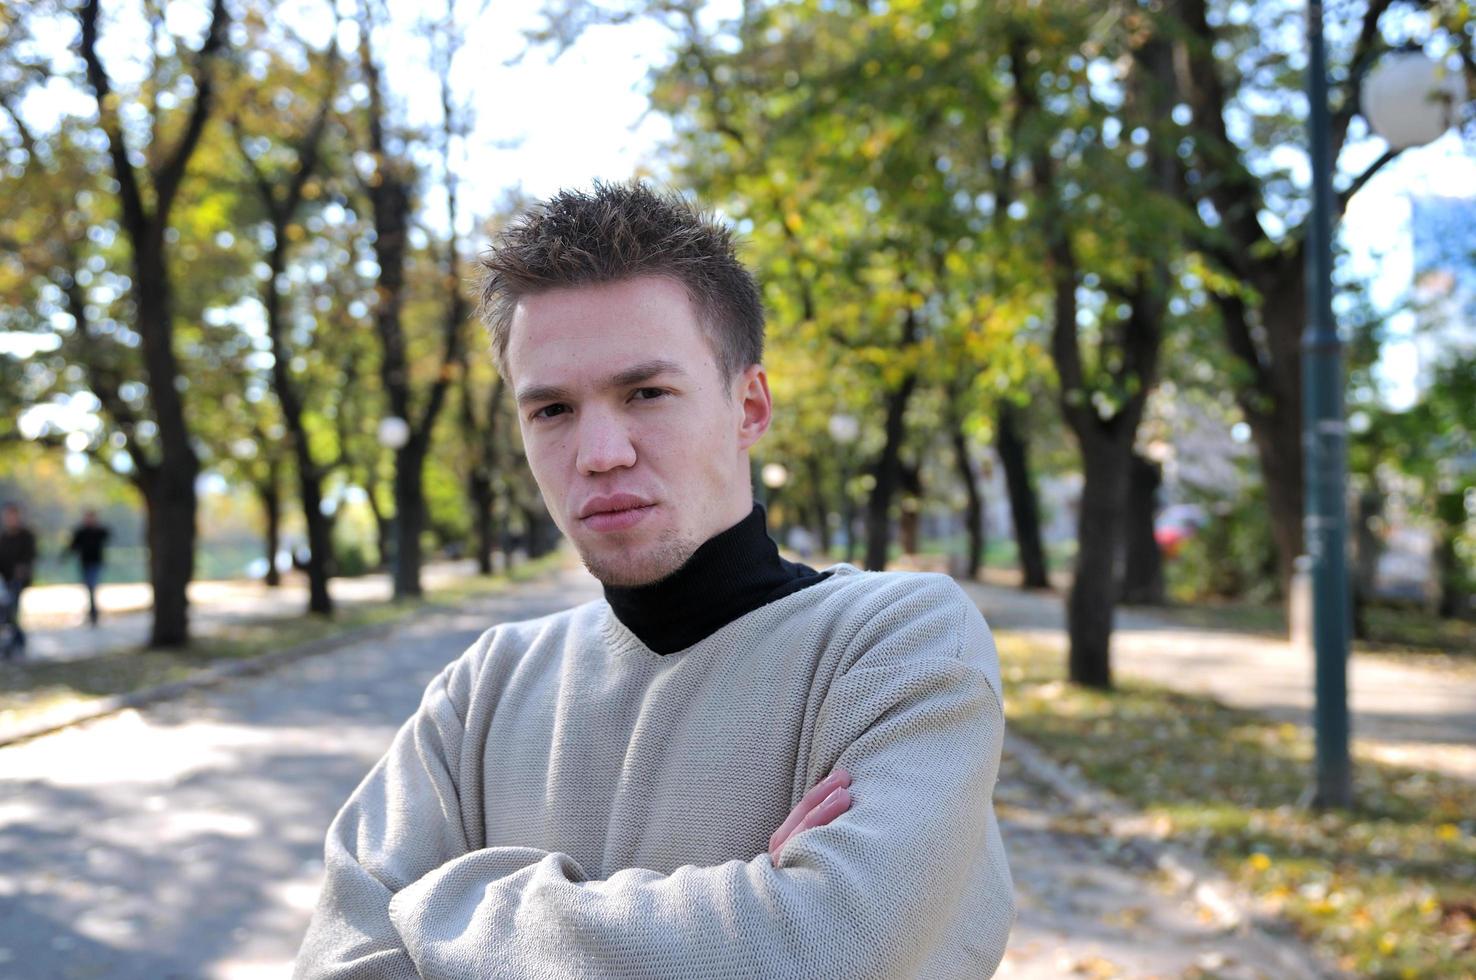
(616, 516)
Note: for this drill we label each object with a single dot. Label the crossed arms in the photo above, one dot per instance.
(863, 885)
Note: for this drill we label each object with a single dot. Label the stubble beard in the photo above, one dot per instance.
(644, 565)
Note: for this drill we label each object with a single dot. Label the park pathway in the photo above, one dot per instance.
(184, 840)
(55, 616)
(1410, 714)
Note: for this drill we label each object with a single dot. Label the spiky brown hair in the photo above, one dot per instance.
(617, 232)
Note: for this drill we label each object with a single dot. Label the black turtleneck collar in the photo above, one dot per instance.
(730, 575)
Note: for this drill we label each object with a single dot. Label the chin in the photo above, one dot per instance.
(632, 567)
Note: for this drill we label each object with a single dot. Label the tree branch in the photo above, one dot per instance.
(1234, 191)
(1341, 203)
(134, 215)
(166, 182)
(28, 141)
(264, 187)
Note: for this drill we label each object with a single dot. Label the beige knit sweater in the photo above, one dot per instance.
(566, 803)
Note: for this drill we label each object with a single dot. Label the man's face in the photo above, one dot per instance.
(638, 443)
(12, 518)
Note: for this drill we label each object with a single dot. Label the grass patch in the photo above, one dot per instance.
(33, 688)
(1391, 629)
(1388, 890)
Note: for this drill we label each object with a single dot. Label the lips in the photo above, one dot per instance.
(615, 512)
(612, 502)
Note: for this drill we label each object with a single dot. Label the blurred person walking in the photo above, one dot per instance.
(88, 541)
(17, 561)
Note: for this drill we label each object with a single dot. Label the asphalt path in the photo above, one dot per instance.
(185, 841)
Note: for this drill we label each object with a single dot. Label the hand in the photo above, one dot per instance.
(827, 800)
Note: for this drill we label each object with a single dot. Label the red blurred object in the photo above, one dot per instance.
(1177, 524)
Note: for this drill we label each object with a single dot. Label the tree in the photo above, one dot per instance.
(1115, 212)
(1236, 77)
(90, 248)
(389, 187)
(285, 172)
(1013, 450)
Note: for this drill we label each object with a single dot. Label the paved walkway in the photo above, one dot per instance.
(184, 840)
(1409, 714)
(55, 616)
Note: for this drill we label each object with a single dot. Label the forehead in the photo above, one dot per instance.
(606, 325)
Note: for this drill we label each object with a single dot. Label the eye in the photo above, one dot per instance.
(549, 411)
(650, 394)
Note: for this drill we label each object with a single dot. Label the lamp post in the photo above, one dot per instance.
(394, 433)
(1408, 101)
(844, 429)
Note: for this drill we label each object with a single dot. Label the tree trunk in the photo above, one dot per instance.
(382, 522)
(820, 505)
(887, 472)
(171, 506)
(888, 469)
(1366, 548)
(1273, 410)
(271, 505)
(974, 509)
(479, 489)
(910, 483)
(1455, 599)
(409, 518)
(1090, 608)
(320, 540)
(173, 483)
(509, 544)
(1024, 508)
(1142, 578)
(289, 398)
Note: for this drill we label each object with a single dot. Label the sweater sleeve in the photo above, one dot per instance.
(406, 819)
(911, 881)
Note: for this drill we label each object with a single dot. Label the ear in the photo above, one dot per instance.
(751, 394)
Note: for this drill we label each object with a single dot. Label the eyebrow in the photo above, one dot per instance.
(634, 375)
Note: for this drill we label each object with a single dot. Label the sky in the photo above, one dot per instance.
(1376, 231)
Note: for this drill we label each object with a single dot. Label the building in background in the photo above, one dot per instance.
(1443, 233)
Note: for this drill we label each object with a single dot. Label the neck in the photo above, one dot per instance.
(730, 574)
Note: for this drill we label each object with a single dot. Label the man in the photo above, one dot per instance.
(88, 541)
(17, 562)
(731, 766)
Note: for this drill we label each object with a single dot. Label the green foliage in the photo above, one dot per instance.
(1231, 557)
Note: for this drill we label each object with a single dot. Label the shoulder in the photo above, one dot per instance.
(507, 647)
(895, 600)
(887, 618)
(879, 590)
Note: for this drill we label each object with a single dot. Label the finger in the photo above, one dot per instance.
(833, 806)
(822, 789)
(817, 793)
(837, 803)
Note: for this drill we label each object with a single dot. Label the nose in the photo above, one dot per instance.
(604, 445)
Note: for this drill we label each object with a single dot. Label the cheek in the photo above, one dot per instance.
(543, 455)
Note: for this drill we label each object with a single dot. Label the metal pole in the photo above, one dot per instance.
(1324, 441)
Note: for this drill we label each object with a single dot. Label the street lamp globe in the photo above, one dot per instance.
(774, 475)
(1409, 98)
(394, 432)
